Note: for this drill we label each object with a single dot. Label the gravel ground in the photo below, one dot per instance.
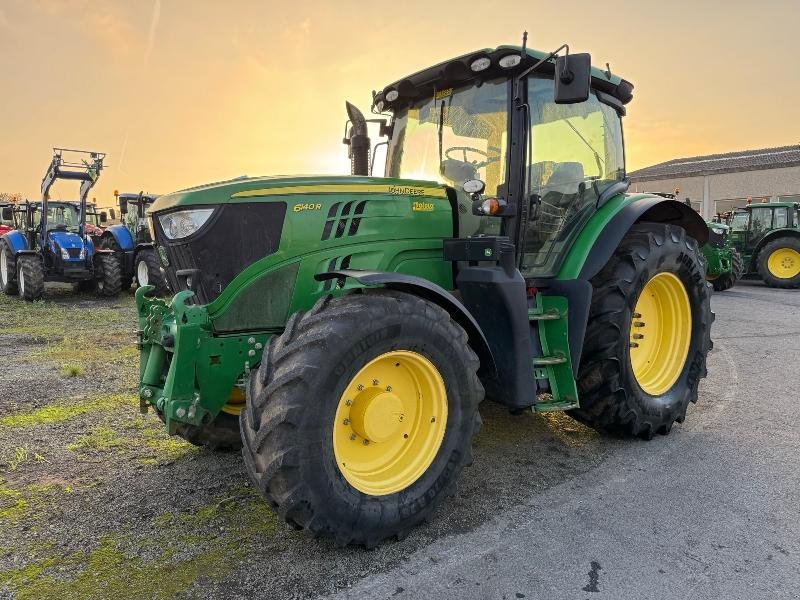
(96, 501)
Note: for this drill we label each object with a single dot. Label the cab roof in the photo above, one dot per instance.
(456, 72)
(769, 205)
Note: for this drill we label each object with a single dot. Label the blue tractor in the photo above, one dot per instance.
(133, 245)
(50, 241)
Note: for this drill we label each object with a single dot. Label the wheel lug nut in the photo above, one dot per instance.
(388, 388)
(366, 442)
(633, 345)
(639, 324)
(374, 382)
(348, 402)
(346, 422)
(637, 315)
(638, 336)
(360, 387)
(352, 436)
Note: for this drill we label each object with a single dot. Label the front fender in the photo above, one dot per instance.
(16, 241)
(428, 291)
(122, 236)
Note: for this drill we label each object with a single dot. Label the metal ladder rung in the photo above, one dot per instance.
(547, 361)
(550, 315)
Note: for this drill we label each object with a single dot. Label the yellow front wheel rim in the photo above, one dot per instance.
(784, 263)
(390, 423)
(236, 402)
(660, 333)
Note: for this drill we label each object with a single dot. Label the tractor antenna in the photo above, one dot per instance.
(608, 70)
(524, 43)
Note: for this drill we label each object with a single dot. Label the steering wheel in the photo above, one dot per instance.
(490, 158)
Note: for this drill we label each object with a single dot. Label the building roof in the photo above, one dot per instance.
(698, 166)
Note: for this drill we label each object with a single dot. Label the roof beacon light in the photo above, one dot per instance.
(392, 95)
(480, 64)
(510, 61)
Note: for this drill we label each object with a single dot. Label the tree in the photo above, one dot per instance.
(10, 197)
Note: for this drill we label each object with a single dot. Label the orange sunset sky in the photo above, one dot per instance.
(181, 92)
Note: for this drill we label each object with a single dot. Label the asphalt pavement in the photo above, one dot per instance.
(710, 511)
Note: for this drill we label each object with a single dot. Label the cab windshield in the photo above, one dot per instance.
(739, 221)
(65, 217)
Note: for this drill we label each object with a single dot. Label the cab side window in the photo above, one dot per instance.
(760, 220)
(781, 218)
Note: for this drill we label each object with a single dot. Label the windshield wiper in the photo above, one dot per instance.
(600, 164)
(441, 137)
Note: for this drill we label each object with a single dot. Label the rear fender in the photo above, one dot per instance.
(428, 291)
(122, 236)
(17, 241)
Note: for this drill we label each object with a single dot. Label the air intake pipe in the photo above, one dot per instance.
(358, 141)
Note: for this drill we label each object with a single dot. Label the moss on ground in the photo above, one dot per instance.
(115, 569)
(64, 410)
(21, 502)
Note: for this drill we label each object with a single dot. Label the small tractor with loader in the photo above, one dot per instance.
(342, 330)
(51, 242)
(132, 243)
(767, 235)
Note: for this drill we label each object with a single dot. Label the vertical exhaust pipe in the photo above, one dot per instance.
(358, 141)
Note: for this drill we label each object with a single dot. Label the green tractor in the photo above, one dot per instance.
(724, 264)
(767, 235)
(343, 330)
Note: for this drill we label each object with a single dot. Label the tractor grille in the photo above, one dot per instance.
(236, 236)
(74, 252)
(717, 240)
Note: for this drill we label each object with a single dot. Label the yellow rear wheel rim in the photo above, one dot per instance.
(660, 333)
(784, 263)
(390, 423)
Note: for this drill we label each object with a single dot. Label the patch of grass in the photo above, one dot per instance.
(30, 501)
(72, 371)
(64, 410)
(12, 504)
(19, 457)
(101, 438)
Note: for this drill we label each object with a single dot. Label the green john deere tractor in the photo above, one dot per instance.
(724, 263)
(767, 235)
(343, 329)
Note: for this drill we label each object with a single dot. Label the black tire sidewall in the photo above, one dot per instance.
(691, 276)
(403, 334)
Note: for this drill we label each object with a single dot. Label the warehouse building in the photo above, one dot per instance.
(720, 182)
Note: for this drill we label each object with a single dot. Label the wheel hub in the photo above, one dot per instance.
(660, 333)
(376, 415)
(390, 422)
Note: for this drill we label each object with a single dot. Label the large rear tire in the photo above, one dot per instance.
(108, 276)
(8, 270)
(148, 272)
(109, 243)
(30, 277)
(648, 336)
(361, 415)
(778, 263)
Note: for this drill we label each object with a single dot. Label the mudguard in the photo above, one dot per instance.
(16, 240)
(122, 236)
(431, 292)
(654, 209)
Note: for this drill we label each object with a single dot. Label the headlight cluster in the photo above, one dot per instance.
(718, 230)
(183, 223)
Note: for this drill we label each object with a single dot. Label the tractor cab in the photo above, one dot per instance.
(133, 209)
(6, 217)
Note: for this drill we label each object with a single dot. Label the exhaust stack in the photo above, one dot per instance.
(358, 140)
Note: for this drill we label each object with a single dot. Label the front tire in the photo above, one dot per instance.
(109, 243)
(30, 277)
(778, 263)
(8, 270)
(727, 281)
(148, 271)
(648, 336)
(361, 415)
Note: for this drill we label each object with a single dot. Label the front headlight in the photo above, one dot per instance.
(64, 254)
(718, 230)
(82, 254)
(183, 223)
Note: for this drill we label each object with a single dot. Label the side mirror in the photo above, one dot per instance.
(123, 206)
(573, 78)
(103, 217)
(8, 213)
(113, 214)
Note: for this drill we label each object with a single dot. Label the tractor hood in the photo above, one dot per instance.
(243, 189)
(71, 242)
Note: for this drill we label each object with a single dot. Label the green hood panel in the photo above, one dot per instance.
(249, 188)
